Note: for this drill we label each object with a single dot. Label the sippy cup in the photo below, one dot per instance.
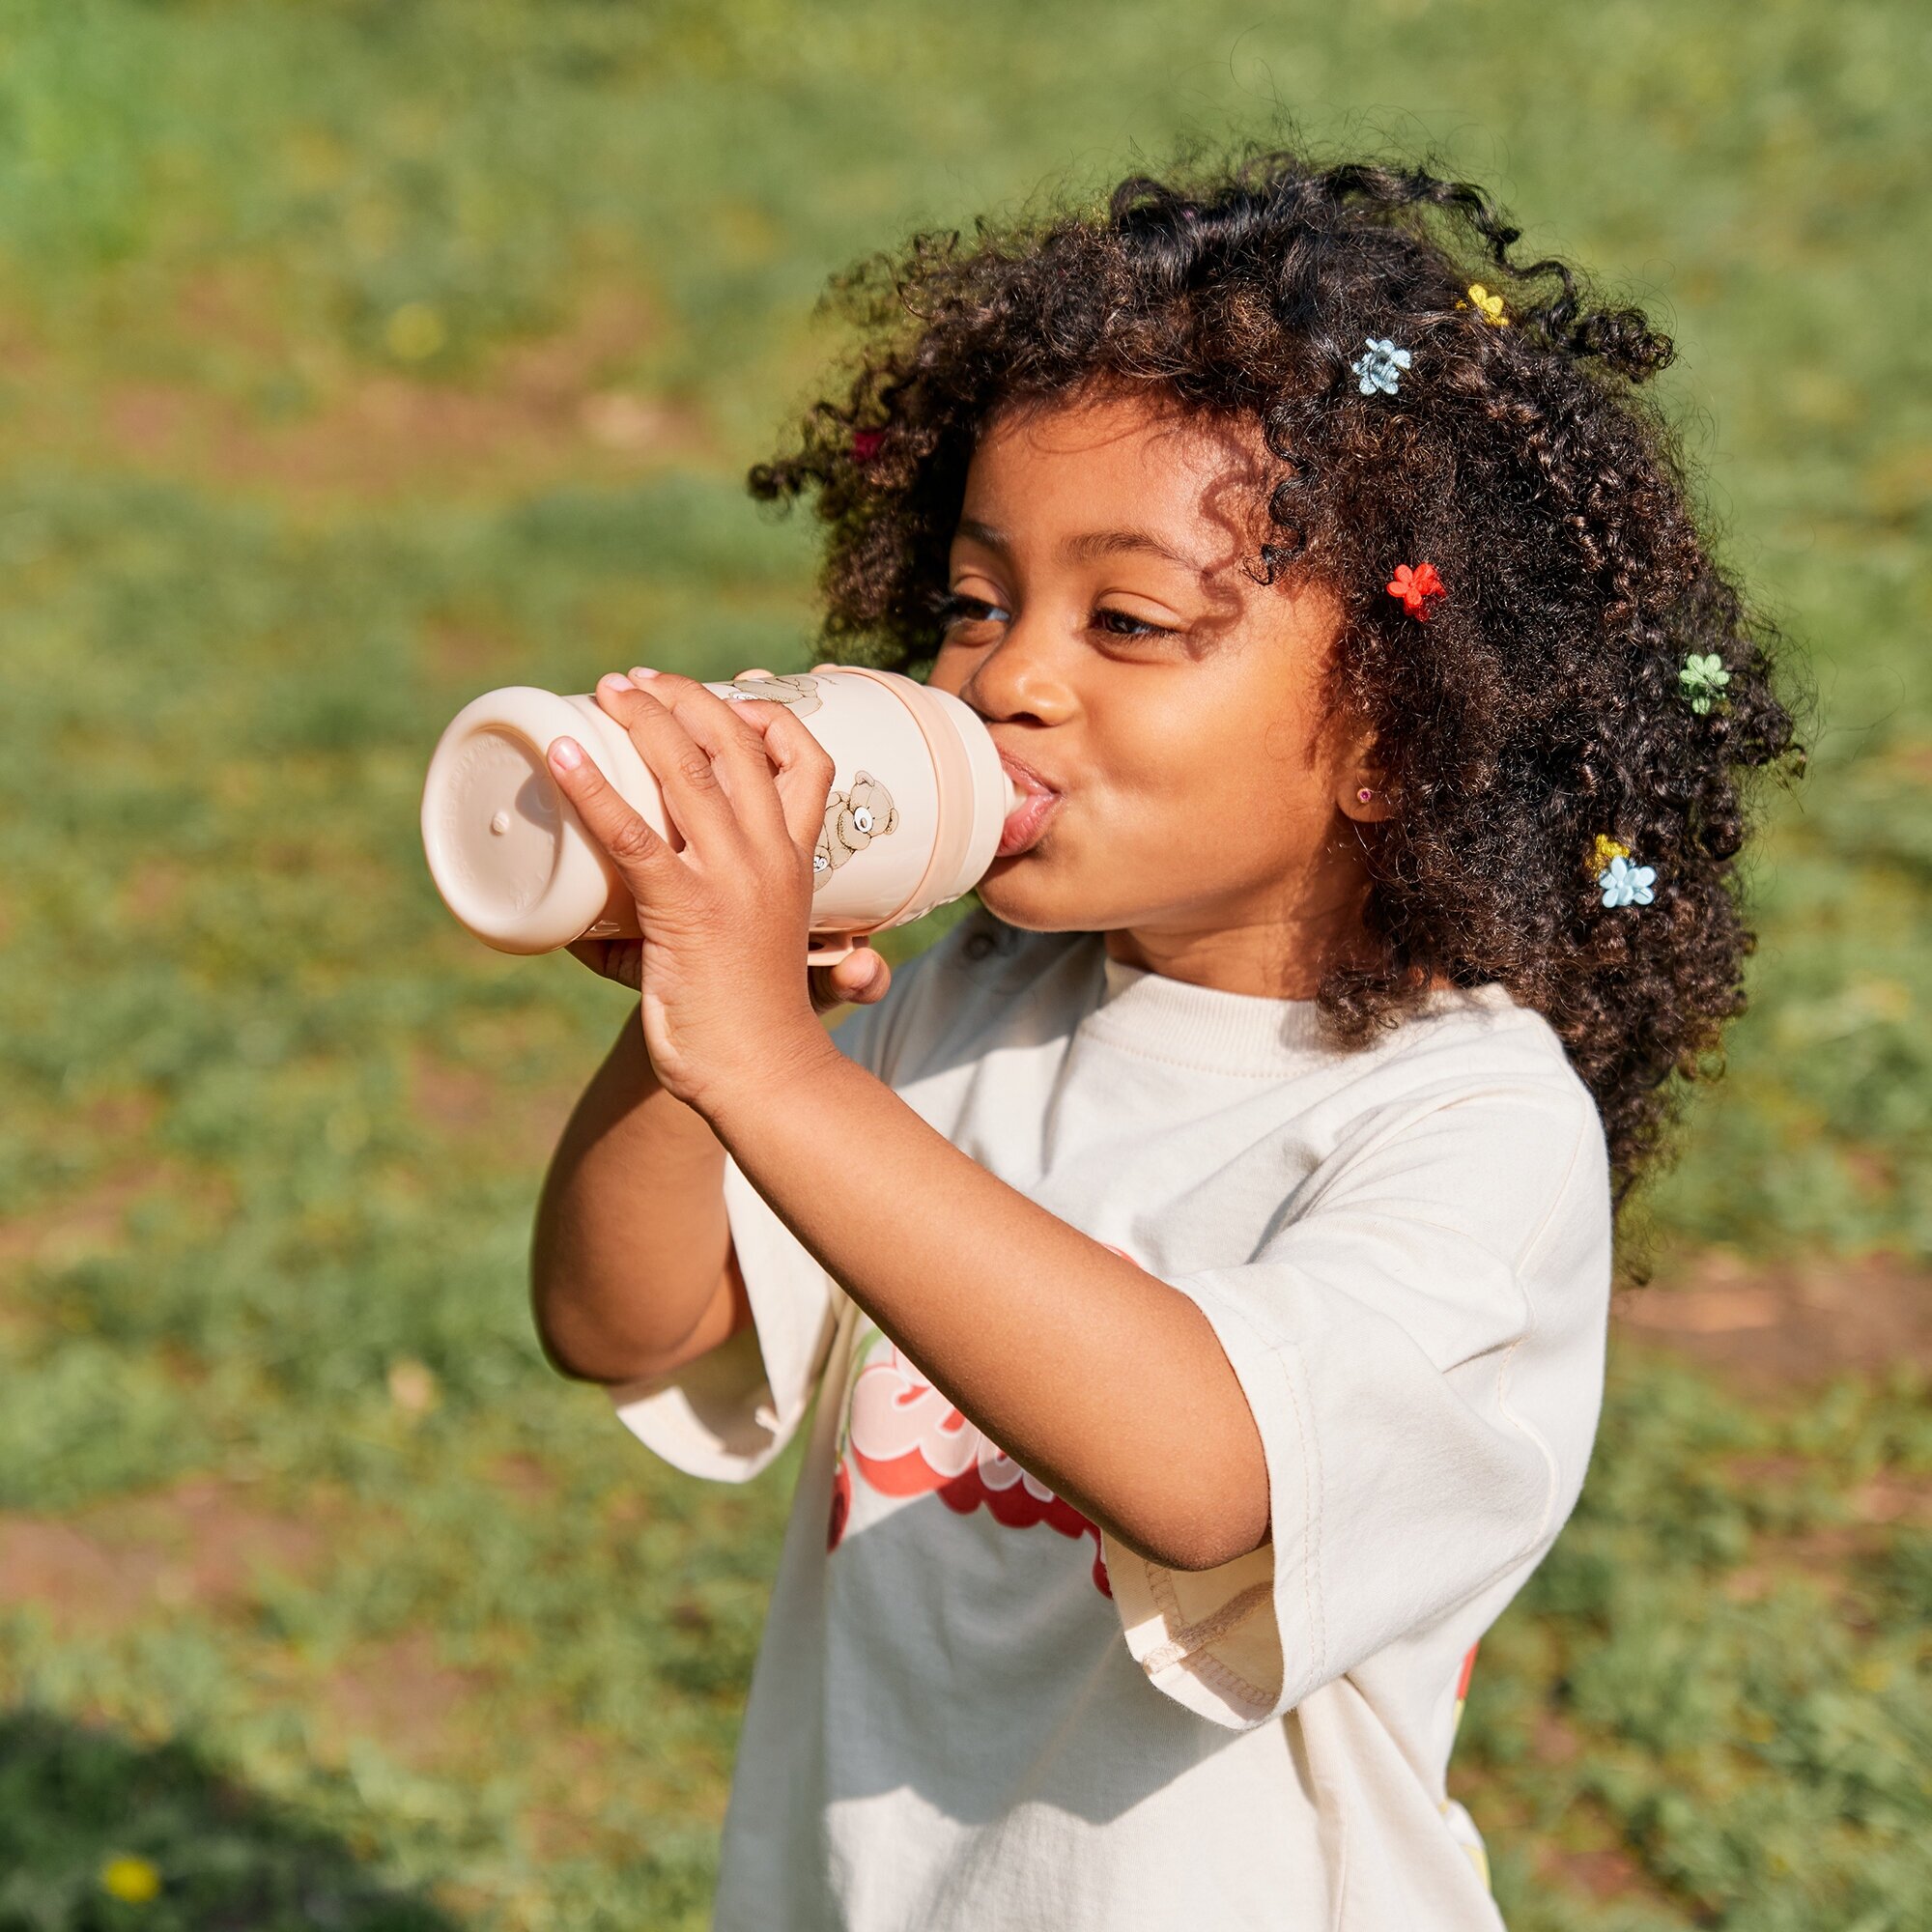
(913, 820)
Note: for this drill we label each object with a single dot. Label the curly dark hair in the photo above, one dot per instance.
(1542, 706)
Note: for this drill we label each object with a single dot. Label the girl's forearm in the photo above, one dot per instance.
(995, 1299)
(631, 1267)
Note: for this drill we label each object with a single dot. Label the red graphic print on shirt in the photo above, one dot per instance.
(904, 1438)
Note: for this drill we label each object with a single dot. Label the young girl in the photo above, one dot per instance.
(1201, 1257)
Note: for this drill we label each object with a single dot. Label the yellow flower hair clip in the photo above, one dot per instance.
(1489, 307)
(1604, 850)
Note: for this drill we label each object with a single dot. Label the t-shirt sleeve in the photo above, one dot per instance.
(1422, 1349)
(730, 1412)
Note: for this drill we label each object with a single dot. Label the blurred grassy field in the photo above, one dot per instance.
(356, 356)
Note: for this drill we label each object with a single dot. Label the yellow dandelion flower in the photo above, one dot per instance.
(1489, 307)
(132, 1880)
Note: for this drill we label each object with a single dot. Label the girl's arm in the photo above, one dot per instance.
(632, 1269)
(1103, 1381)
(1106, 1384)
(632, 1273)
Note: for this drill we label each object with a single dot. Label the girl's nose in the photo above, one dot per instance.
(1018, 682)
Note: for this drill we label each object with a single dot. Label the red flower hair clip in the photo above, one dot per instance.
(1415, 587)
(866, 443)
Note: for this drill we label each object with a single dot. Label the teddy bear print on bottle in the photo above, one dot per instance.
(798, 694)
(853, 819)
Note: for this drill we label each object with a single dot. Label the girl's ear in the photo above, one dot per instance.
(1359, 790)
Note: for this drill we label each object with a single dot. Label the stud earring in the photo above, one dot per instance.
(1364, 795)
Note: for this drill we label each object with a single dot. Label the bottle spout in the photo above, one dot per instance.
(1015, 795)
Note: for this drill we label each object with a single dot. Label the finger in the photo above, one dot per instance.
(694, 795)
(861, 980)
(617, 959)
(737, 752)
(802, 768)
(639, 854)
(863, 977)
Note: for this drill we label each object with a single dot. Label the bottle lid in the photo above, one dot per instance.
(505, 847)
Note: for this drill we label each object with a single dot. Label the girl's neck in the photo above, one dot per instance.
(1237, 959)
(1276, 945)
(1271, 960)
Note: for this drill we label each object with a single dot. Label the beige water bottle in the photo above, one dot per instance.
(918, 801)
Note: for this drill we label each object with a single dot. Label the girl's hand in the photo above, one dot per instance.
(725, 903)
(862, 979)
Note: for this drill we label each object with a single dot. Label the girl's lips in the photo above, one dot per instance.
(1028, 819)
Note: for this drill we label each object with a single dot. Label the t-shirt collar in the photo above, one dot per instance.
(1238, 1033)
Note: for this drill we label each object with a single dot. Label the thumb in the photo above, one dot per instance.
(861, 978)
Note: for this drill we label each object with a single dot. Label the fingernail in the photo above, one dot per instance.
(642, 672)
(615, 679)
(566, 754)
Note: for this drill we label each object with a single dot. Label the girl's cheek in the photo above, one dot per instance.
(948, 671)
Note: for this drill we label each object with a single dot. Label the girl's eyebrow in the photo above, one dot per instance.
(1090, 543)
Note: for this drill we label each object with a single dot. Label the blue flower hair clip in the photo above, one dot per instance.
(1380, 366)
(1623, 883)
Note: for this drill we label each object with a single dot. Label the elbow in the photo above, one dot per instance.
(599, 1369)
(574, 1368)
(576, 1352)
(1201, 1506)
(597, 1339)
(576, 1362)
(556, 1347)
(1196, 1542)
(1201, 1552)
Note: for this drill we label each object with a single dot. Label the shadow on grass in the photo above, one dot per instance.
(74, 1800)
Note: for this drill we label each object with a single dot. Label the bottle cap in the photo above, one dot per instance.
(505, 847)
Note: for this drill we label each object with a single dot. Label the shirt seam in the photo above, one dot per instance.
(1202, 1662)
(1313, 1515)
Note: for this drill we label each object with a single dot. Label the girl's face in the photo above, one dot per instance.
(1162, 710)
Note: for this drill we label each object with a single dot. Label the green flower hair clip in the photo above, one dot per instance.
(1702, 680)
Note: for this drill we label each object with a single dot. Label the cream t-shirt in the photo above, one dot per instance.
(974, 1711)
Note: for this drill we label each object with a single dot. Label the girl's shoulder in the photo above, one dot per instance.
(1482, 1036)
(1483, 1026)
(1480, 1090)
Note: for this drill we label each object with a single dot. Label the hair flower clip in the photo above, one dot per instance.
(1702, 680)
(1380, 365)
(866, 443)
(1489, 307)
(1415, 586)
(1625, 884)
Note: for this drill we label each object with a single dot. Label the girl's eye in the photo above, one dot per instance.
(955, 608)
(1121, 624)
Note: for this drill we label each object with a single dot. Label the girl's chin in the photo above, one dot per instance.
(1023, 892)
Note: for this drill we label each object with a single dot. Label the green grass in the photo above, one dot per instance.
(356, 356)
